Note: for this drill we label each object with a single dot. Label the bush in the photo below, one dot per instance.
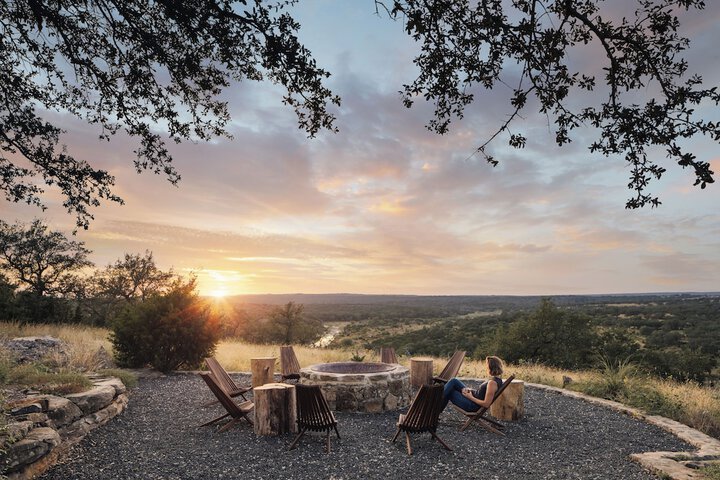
(166, 332)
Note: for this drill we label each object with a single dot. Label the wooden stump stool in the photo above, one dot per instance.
(262, 370)
(511, 404)
(275, 409)
(421, 371)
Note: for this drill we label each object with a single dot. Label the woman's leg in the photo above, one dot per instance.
(463, 402)
(454, 386)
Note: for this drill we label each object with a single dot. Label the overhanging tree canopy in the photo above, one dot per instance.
(467, 44)
(129, 65)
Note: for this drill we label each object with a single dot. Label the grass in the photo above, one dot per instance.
(82, 341)
(711, 472)
(37, 376)
(59, 374)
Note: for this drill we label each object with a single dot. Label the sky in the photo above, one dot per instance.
(387, 207)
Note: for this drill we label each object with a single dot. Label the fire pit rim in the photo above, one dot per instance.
(365, 368)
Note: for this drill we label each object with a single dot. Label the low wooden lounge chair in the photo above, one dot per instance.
(236, 411)
(480, 417)
(224, 380)
(387, 355)
(289, 365)
(451, 369)
(423, 415)
(313, 413)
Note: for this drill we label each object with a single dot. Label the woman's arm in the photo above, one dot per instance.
(489, 394)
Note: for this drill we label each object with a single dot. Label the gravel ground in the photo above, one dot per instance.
(559, 438)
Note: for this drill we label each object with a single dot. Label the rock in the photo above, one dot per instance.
(62, 411)
(15, 431)
(113, 382)
(103, 359)
(32, 349)
(34, 407)
(94, 399)
(36, 444)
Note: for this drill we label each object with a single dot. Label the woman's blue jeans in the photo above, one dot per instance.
(453, 393)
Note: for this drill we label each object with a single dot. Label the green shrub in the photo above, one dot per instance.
(166, 332)
(357, 357)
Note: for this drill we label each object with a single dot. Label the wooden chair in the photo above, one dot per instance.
(224, 380)
(423, 415)
(479, 416)
(234, 410)
(289, 365)
(387, 355)
(313, 413)
(451, 369)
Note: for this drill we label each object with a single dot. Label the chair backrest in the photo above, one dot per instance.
(313, 411)
(387, 355)
(220, 375)
(289, 364)
(453, 366)
(232, 408)
(424, 412)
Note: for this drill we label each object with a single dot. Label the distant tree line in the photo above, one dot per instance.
(671, 339)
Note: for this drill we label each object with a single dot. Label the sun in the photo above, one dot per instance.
(219, 293)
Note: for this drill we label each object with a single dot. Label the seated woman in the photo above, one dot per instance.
(471, 400)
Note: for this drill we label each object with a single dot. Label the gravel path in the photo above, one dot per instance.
(559, 438)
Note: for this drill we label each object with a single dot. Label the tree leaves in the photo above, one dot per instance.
(134, 66)
(464, 45)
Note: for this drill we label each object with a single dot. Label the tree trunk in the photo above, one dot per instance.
(421, 371)
(511, 404)
(275, 409)
(262, 370)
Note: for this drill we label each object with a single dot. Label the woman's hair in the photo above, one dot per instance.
(495, 366)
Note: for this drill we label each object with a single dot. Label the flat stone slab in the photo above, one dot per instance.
(94, 399)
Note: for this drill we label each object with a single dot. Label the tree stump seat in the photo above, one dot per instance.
(421, 371)
(510, 406)
(275, 409)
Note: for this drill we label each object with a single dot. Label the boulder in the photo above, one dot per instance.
(62, 411)
(94, 399)
(36, 444)
(113, 382)
(32, 349)
(103, 359)
(15, 431)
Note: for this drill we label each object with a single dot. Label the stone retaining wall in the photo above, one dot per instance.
(43, 427)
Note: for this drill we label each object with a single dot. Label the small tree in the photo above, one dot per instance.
(550, 335)
(130, 280)
(167, 331)
(44, 264)
(289, 325)
(133, 278)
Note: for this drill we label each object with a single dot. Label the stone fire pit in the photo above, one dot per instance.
(359, 386)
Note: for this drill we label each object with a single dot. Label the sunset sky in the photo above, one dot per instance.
(385, 206)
